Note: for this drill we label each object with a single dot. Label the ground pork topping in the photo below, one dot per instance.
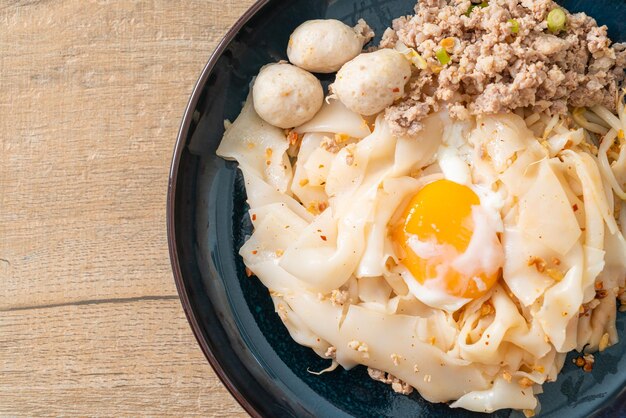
(397, 385)
(501, 57)
(331, 352)
(338, 297)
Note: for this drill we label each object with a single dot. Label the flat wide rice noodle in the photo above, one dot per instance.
(545, 213)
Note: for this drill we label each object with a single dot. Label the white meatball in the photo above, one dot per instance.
(373, 81)
(323, 46)
(286, 96)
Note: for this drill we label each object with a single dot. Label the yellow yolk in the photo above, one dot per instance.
(441, 213)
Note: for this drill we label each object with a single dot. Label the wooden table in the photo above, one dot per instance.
(91, 97)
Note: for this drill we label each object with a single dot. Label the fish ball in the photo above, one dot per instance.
(323, 46)
(372, 81)
(286, 96)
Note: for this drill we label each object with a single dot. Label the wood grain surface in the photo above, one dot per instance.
(91, 97)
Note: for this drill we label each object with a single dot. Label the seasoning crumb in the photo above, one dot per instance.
(359, 346)
(268, 156)
(338, 297)
(330, 145)
(507, 376)
(525, 382)
(331, 352)
(312, 208)
(395, 358)
(293, 137)
(585, 362)
(350, 154)
(538, 262)
(486, 309)
(397, 385)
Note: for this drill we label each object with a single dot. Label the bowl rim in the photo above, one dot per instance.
(179, 146)
(612, 405)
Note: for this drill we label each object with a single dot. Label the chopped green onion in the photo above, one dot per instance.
(442, 56)
(473, 6)
(411, 55)
(556, 20)
(514, 25)
(418, 60)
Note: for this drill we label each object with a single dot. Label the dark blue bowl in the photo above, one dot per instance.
(232, 315)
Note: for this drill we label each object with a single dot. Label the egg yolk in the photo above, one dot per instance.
(441, 214)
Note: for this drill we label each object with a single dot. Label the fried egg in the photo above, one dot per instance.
(448, 245)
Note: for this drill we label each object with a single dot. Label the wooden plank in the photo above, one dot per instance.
(91, 97)
(117, 358)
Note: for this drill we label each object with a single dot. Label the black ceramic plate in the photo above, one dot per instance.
(232, 315)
